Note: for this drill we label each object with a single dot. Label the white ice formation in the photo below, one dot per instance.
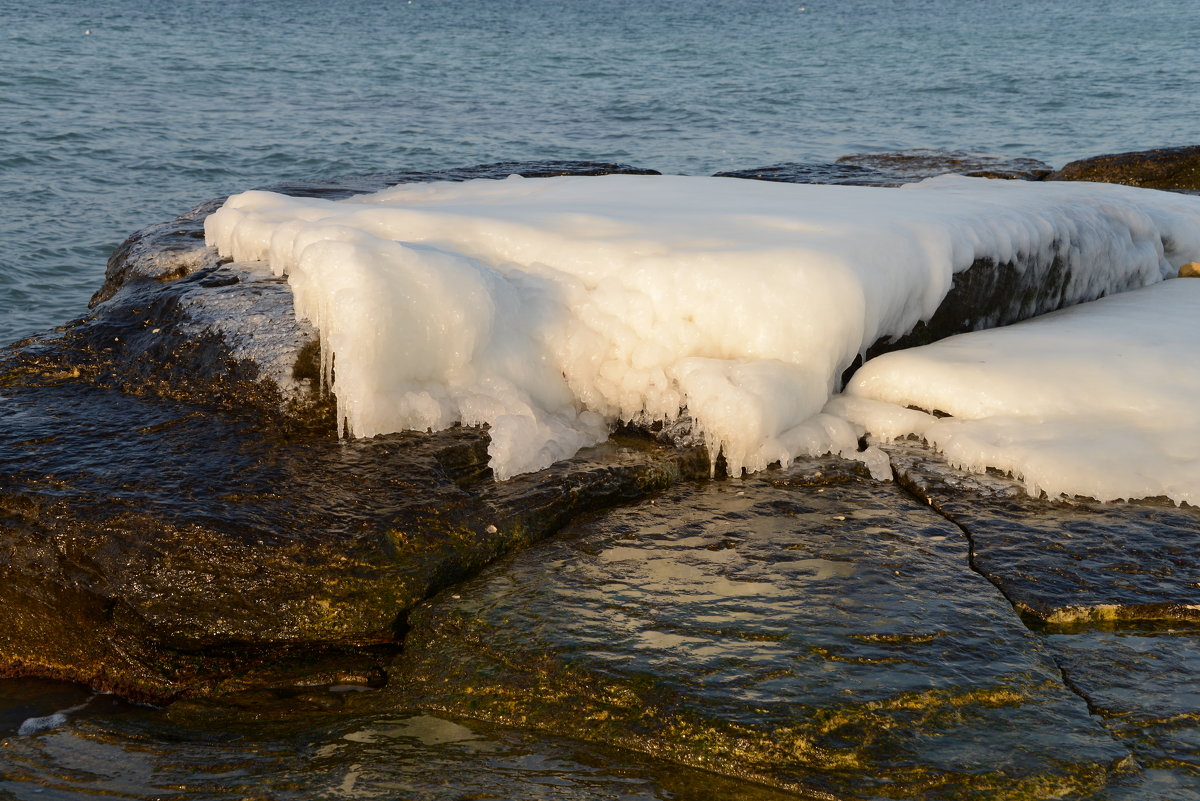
(1100, 400)
(551, 308)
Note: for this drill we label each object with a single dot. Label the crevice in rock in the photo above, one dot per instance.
(1075, 688)
(903, 482)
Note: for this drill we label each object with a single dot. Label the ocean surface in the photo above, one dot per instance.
(117, 115)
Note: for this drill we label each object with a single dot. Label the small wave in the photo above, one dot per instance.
(46, 723)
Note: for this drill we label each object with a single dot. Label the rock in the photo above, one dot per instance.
(157, 549)
(1176, 168)
(314, 742)
(809, 629)
(1112, 589)
(1066, 563)
(1141, 682)
(177, 518)
(897, 167)
(1190, 270)
(817, 173)
(913, 165)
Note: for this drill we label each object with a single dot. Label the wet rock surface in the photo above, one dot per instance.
(813, 630)
(316, 744)
(1142, 682)
(893, 168)
(174, 496)
(817, 173)
(1067, 562)
(1176, 168)
(155, 549)
(1113, 591)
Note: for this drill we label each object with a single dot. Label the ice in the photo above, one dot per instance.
(551, 308)
(1100, 400)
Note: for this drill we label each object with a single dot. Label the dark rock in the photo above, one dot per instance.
(1066, 563)
(989, 295)
(1113, 588)
(914, 165)
(810, 629)
(817, 173)
(156, 549)
(1142, 682)
(1175, 168)
(178, 519)
(897, 167)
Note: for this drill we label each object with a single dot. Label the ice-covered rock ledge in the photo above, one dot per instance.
(552, 309)
(1098, 400)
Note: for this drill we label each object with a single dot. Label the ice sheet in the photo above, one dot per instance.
(549, 309)
(1101, 400)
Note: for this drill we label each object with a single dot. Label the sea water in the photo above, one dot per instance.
(118, 115)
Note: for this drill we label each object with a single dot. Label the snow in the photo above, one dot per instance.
(551, 308)
(1099, 400)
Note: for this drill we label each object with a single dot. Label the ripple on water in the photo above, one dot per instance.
(294, 749)
(136, 122)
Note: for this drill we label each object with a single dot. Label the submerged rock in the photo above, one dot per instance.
(1112, 590)
(161, 547)
(817, 173)
(913, 165)
(1065, 563)
(1176, 168)
(810, 629)
(1141, 682)
(893, 168)
(314, 743)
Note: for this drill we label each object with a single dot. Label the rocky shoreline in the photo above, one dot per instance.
(179, 523)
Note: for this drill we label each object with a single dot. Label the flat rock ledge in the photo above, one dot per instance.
(178, 522)
(822, 633)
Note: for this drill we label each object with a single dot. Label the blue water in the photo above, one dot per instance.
(164, 105)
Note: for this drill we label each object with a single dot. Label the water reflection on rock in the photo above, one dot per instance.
(287, 750)
(809, 629)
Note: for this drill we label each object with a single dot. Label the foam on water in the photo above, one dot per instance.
(1099, 400)
(44, 723)
(552, 308)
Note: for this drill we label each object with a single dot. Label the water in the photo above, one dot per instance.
(319, 745)
(162, 106)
